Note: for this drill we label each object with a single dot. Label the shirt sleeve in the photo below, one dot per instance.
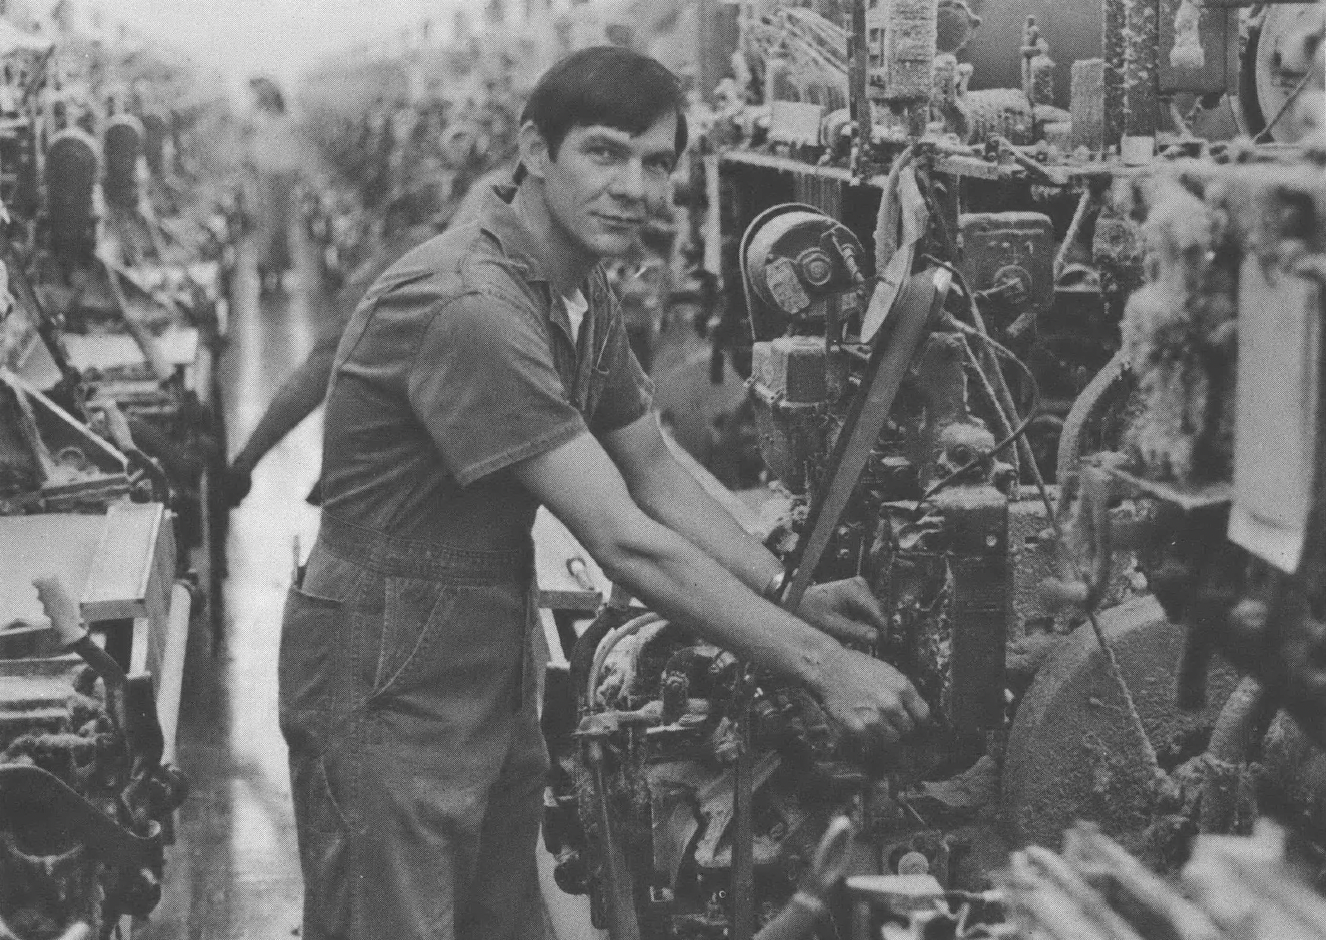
(627, 394)
(484, 386)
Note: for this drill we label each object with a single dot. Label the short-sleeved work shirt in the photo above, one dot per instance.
(458, 363)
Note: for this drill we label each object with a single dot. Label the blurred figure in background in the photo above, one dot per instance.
(275, 158)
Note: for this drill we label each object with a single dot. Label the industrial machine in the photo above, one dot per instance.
(131, 305)
(1044, 369)
(108, 322)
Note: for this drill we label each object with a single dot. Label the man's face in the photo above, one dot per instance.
(606, 182)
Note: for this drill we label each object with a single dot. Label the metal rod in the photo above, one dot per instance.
(622, 924)
(743, 839)
(1113, 21)
(859, 88)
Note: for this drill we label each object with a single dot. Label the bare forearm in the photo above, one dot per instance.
(295, 400)
(580, 484)
(684, 583)
(674, 498)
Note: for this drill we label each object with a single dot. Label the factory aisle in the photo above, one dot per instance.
(234, 873)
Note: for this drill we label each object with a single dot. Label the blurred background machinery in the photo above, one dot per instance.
(113, 269)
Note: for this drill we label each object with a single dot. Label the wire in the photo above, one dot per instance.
(1293, 96)
(1102, 641)
(1007, 402)
(1021, 428)
(1074, 229)
(992, 398)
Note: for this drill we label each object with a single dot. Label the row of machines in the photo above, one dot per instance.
(1035, 349)
(112, 311)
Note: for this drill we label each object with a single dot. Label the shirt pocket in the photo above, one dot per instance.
(599, 374)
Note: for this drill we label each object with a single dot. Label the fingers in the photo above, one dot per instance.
(868, 731)
(872, 726)
(915, 705)
(901, 720)
(909, 700)
(846, 610)
(878, 707)
(848, 630)
(862, 602)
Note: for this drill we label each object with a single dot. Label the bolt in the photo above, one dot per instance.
(818, 270)
(913, 863)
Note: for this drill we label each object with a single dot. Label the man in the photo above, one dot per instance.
(484, 374)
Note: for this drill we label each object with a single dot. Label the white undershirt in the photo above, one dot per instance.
(576, 308)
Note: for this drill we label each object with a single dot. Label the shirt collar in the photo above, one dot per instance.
(499, 219)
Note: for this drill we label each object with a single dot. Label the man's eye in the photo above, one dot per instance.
(602, 153)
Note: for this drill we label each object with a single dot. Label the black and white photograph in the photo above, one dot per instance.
(662, 470)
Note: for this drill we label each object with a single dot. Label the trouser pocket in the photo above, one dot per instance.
(448, 665)
(309, 670)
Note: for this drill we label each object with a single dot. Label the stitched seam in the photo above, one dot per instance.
(425, 635)
(440, 306)
(335, 805)
(384, 641)
(372, 299)
(544, 442)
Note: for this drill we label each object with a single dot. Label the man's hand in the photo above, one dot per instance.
(846, 610)
(873, 702)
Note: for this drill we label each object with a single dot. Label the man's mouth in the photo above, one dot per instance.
(621, 221)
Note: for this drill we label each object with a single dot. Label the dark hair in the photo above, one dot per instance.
(607, 85)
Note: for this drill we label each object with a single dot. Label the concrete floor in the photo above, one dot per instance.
(234, 873)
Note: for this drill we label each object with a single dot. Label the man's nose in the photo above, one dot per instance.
(629, 181)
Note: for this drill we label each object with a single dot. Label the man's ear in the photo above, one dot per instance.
(533, 150)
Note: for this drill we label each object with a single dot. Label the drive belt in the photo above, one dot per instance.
(919, 301)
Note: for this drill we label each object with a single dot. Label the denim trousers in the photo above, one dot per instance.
(407, 702)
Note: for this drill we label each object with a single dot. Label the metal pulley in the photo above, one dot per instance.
(793, 255)
(72, 167)
(124, 145)
(1285, 48)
